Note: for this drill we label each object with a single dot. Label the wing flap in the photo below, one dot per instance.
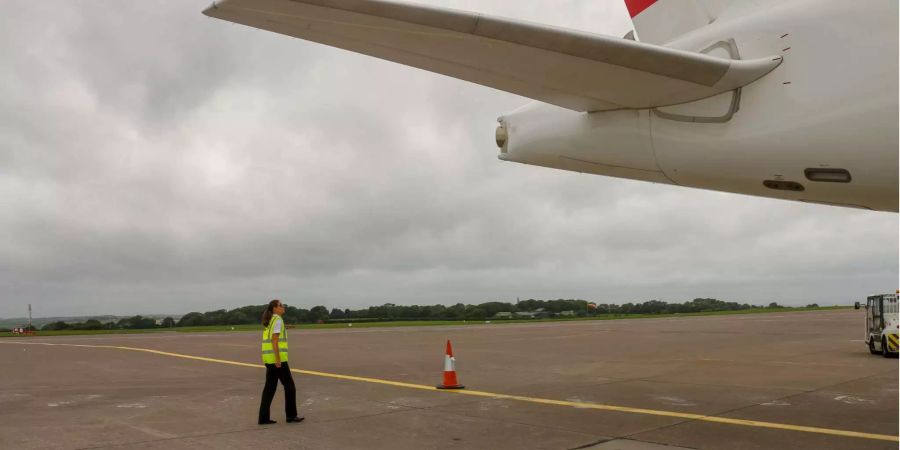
(571, 69)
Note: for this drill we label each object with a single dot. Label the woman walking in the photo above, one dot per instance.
(275, 357)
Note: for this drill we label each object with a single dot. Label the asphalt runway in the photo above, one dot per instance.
(763, 381)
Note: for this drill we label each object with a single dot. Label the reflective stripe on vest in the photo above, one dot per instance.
(268, 351)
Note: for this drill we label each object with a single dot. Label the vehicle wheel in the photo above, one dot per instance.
(872, 347)
(884, 348)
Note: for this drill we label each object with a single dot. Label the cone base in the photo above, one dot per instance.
(457, 386)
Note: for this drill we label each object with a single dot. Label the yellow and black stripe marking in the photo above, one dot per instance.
(543, 401)
(892, 342)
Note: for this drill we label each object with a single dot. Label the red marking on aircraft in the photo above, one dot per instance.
(635, 7)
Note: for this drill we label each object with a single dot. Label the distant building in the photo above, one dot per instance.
(503, 315)
(567, 313)
(537, 314)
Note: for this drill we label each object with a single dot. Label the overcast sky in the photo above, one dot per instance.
(154, 160)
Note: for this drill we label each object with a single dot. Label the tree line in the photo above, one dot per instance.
(252, 314)
(127, 323)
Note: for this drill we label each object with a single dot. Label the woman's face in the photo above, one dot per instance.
(279, 308)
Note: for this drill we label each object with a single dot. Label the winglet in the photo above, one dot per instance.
(744, 72)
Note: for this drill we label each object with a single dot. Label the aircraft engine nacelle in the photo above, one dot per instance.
(611, 143)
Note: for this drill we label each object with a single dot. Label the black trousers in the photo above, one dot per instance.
(273, 374)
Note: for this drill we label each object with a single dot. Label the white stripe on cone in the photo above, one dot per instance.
(449, 363)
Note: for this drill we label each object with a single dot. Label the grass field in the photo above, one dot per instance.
(418, 323)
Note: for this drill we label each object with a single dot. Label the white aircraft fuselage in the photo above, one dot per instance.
(820, 128)
(788, 99)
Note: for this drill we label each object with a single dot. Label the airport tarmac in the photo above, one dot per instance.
(800, 380)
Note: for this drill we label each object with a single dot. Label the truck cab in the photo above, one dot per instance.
(882, 324)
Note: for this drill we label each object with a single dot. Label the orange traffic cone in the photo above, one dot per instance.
(450, 370)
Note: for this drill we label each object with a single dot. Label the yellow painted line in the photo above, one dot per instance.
(543, 401)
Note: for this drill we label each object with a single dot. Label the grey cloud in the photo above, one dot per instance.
(155, 160)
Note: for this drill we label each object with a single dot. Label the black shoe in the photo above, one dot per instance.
(295, 419)
(268, 422)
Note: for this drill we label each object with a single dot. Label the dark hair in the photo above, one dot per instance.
(267, 314)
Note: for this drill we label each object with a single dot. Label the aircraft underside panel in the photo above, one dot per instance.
(817, 129)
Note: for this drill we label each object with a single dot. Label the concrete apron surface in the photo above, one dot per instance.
(782, 380)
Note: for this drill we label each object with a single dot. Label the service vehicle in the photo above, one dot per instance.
(882, 324)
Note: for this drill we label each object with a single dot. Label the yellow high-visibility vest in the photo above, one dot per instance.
(268, 352)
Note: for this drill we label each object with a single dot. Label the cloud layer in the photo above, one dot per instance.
(154, 160)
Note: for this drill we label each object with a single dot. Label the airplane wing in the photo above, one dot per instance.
(572, 69)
